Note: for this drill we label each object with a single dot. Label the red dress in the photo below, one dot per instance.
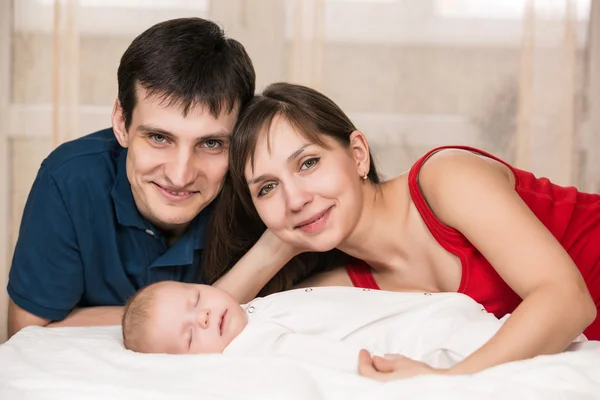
(572, 217)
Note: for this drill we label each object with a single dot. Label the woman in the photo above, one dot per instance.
(460, 220)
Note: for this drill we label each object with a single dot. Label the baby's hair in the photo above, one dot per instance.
(135, 315)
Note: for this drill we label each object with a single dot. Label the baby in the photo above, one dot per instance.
(330, 324)
(179, 318)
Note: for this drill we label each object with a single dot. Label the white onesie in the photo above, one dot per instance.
(329, 325)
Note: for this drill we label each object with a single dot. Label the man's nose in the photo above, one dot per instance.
(203, 318)
(180, 170)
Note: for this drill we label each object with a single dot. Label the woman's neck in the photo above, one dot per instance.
(380, 237)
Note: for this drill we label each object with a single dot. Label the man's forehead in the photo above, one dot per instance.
(217, 108)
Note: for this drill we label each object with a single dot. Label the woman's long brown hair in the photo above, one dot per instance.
(235, 225)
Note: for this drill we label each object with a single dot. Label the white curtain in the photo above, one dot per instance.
(516, 77)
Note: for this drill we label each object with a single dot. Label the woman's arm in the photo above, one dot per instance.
(476, 197)
(252, 272)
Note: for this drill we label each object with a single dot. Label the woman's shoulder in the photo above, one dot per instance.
(449, 163)
(452, 177)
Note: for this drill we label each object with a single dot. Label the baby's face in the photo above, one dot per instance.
(192, 319)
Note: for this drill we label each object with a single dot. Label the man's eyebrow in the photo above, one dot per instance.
(292, 156)
(221, 134)
(154, 129)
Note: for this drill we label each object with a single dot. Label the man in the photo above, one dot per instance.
(118, 209)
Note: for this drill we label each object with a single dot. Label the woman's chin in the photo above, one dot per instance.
(321, 246)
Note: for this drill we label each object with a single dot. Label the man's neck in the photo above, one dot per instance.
(172, 234)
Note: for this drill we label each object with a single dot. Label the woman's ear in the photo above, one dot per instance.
(360, 151)
(118, 124)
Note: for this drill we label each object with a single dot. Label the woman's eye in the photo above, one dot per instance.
(158, 138)
(310, 163)
(266, 189)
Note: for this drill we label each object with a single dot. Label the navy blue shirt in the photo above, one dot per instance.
(82, 241)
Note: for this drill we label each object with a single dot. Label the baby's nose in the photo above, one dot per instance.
(204, 318)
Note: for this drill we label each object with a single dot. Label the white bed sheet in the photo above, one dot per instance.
(91, 363)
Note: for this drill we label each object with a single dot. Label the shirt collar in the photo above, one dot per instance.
(182, 252)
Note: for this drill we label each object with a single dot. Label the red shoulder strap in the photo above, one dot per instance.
(360, 274)
(438, 229)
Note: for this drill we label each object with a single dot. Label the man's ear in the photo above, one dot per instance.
(118, 124)
(359, 146)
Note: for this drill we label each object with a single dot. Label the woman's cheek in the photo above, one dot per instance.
(271, 216)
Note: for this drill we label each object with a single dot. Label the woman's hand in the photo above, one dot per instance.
(277, 247)
(391, 367)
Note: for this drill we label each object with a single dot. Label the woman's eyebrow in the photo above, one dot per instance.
(295, 154)
(291, 157)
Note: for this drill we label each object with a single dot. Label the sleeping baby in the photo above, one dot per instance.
(328, 325)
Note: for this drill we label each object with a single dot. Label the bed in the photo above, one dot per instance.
(91, 363)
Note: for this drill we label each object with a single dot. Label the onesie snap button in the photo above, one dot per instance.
(366, 289)
(427, 294)
(250, 309)
(308, 289)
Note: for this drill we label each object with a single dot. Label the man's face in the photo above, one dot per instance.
(175, 164)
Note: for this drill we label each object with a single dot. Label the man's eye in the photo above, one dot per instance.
(266, 189)
(157, 138)
(310, 163)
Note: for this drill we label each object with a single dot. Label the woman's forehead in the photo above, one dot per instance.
(277, 146)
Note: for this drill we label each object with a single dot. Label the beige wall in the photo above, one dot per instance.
(32, 62)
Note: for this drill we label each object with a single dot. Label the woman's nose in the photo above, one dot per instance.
(297, 197)
(203, 318)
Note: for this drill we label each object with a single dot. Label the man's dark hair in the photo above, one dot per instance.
(186, 62)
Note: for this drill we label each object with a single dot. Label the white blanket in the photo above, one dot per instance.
(91, 363)
(329, 325)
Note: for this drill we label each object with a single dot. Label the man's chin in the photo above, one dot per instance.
(173, 219)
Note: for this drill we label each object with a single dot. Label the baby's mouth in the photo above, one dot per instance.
(222, 322)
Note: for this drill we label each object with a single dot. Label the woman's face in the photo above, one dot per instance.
(309, 196)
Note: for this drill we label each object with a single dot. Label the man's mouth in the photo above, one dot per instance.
(175, 194)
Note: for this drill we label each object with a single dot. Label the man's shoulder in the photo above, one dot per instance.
(88, 155)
